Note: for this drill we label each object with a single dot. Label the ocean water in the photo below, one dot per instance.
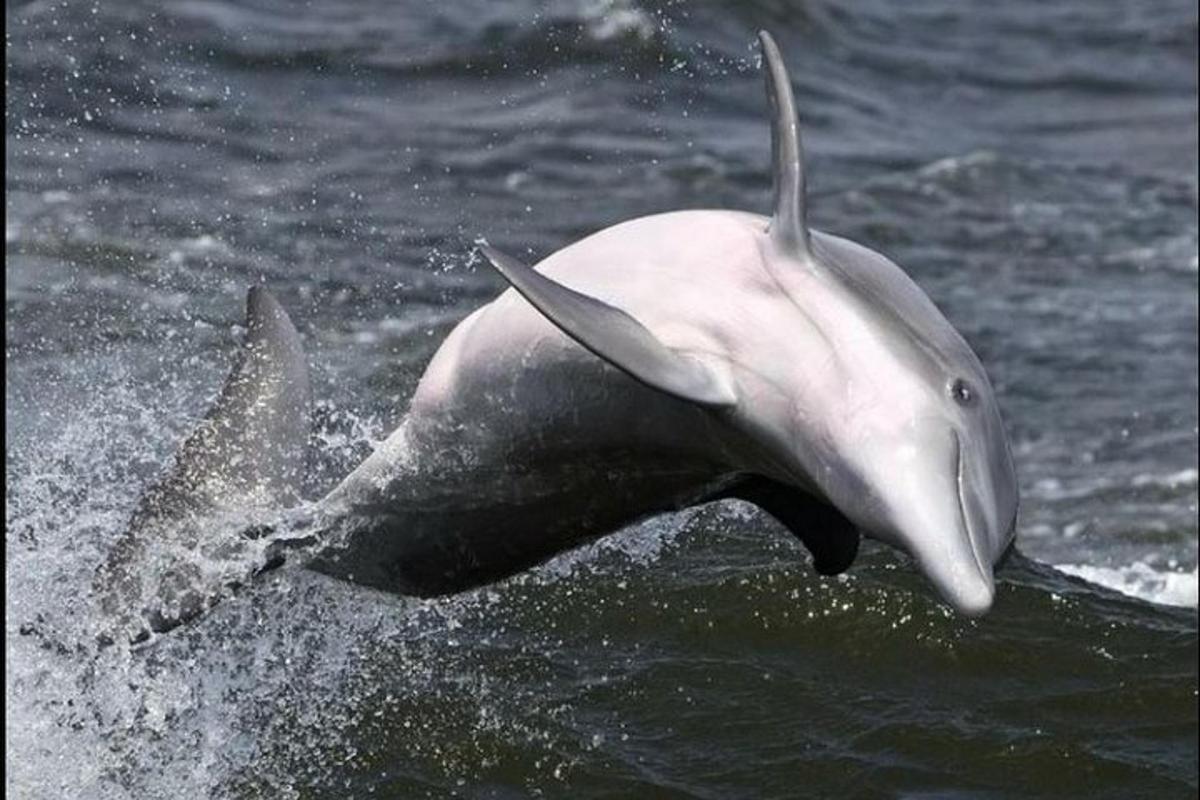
(1033, 165)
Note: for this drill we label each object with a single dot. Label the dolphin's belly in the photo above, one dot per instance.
(491, 482)
(519, 445)
(497, 525)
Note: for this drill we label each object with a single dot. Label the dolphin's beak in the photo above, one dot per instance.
(965, 585)
(963, 579)
(946, 533)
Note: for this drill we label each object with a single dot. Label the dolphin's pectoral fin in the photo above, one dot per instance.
(831, 538)
(248, 453)
(615, 336)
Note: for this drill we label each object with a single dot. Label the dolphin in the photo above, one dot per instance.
(666, 362)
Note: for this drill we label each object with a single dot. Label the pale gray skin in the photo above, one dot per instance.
(835, 394)
(669, 361)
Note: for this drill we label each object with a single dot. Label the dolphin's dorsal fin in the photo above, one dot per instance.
(789, 229)
(615, 336)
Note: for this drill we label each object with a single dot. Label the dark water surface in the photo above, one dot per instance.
(1032, 164)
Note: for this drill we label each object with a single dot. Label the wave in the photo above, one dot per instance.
(303, 681)
(1141, 580)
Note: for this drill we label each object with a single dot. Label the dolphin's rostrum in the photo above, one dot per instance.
(660, 363)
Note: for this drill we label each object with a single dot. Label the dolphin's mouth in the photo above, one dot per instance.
(963, 513)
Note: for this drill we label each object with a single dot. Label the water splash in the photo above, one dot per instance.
(1141, 580)
(272, 689)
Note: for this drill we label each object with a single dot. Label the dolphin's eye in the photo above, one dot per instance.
(962, 392)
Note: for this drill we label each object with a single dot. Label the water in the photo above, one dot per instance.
(1032, 165)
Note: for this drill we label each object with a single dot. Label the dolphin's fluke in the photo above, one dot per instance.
(789, 228)
(615, 336)
(246, 454)
(250, 446)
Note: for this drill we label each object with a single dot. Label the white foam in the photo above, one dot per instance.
(183, 714)
(613, 19)
(1175, 480)
(1139, 579)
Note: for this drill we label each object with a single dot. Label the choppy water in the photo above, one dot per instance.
(1032, 164)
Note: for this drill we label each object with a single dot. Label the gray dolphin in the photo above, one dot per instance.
(677, 359)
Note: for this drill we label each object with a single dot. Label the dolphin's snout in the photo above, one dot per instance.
(944, 551)
(942, 521)
(973, 590)
(964, 585)
(961, 574)
(973, 596)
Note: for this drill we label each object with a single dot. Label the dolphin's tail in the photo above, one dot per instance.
(248, 453)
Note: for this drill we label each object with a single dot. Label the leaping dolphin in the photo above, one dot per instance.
(661, 363)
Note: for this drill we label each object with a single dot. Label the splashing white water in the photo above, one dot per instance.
(1139, 579)
(271, 689)
(611, 19)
